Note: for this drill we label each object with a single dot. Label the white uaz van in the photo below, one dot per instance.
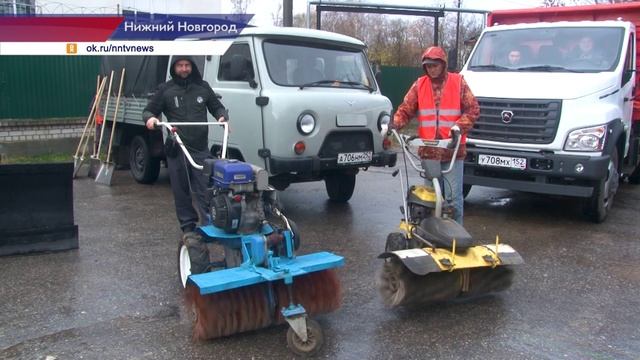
(303, 104)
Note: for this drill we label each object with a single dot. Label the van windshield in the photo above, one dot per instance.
(305, 65)
(549, 49)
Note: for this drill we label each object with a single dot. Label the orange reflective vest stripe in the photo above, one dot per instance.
(436, 121)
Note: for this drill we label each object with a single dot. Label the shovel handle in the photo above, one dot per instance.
(91, 114)
(115, 116)
(86, 140)
(106, 111)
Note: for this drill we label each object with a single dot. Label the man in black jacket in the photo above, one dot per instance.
(186, 98)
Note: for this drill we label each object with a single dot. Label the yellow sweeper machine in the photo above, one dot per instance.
(433, 258)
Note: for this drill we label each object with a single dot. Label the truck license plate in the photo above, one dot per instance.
(355, 157)
(502, 161)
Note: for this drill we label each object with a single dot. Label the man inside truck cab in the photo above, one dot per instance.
(517, 56)
(442, 102)
(585, 52)
(186, 98)
(514, 57)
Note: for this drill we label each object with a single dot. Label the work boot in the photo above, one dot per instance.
(198, 252)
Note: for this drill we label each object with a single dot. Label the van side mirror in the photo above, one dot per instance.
(240, 69)
(626, 75)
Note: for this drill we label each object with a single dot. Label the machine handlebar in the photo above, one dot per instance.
(413, 140)
(171, 127)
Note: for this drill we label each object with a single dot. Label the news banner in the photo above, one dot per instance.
(129, 34)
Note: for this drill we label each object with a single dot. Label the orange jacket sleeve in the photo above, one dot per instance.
(408, 109)
(469, 106)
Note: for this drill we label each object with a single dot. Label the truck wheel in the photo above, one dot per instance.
(144, 168)
(600, 203)
(634, 178)
(465, 190)
(340, 186)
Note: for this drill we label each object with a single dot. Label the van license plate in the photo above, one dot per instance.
(355, 157)
(502, 161)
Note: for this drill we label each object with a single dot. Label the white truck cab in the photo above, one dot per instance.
(303, 104)
(556, 122)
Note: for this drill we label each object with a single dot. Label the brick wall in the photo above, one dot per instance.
(12, 131)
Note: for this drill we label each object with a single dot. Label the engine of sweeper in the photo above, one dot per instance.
(238, 194)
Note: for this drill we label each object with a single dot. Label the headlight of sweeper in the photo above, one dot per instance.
(587, 139)
(306, 123)
(383, 120)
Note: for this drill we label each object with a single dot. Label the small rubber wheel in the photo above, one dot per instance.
(193, 256)
(297, 237)
(396, 241)
(314, 342)
(184, 263)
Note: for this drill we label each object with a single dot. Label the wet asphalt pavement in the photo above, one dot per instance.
(118, 295)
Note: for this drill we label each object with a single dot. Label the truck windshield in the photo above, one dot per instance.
(310, 65)
(549, 49)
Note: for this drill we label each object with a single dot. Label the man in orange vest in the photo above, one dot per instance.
(442, 102)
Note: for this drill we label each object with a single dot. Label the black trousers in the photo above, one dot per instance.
(189, 187)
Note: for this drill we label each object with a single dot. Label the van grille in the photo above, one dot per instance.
(345, 142)
(533, 121)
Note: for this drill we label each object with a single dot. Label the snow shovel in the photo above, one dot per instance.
(78, 158)
(94, 162)
(92, 125)
(106, 169)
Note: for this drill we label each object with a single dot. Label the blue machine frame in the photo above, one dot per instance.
(259, 264)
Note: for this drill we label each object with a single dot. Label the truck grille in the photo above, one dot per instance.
(345, 142)
(533, 121)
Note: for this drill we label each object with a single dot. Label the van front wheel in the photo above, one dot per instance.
(144, 168)
(340, 186)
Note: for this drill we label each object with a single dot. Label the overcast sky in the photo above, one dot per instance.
(264, 9)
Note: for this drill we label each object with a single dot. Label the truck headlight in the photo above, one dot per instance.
(306, 123)
(383, 121)
(587, 139)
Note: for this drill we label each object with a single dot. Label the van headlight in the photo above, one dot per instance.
(586, 139)
(383, 120)
(306, 123)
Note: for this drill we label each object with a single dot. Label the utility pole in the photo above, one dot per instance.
(457, 34)
(287, 13)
